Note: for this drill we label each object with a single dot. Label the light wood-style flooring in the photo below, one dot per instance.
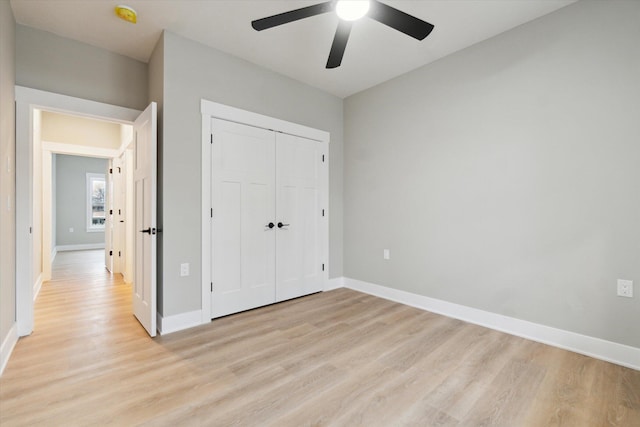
(338, 358)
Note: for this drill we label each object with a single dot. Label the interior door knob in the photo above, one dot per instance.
(270, 225)
(280, 225)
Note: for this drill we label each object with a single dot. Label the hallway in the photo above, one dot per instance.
(84, 297)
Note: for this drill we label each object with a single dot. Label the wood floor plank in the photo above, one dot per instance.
(505, 400)
(338, 358)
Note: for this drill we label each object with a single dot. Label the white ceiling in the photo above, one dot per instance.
(375, 53)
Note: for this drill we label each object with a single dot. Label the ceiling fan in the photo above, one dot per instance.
(349, 11)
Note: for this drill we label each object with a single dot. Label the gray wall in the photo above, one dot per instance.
(506, 177)
(56, 64)
(7, 176)
(71, 199)
(191, 72)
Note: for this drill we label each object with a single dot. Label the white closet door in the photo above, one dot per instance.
(243, 196)
(298, 243)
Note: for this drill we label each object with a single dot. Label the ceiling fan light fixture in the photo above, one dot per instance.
(351, 10)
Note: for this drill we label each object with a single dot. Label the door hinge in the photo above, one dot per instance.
(322, 267)
(322, 212)
(211, 212)
(212, 138)
(119, 254)
(323, 158)
(211, 286)
(110, 211)
(111, 170)
(110, 253)
(119, 211)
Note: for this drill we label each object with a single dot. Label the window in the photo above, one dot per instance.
(96, 198)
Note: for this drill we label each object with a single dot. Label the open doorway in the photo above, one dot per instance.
(78, 203)
(82, 191)
(33, 246)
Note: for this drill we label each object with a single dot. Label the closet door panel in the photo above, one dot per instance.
(298, 263)
(258, 244)
(229, 214)
(243, 196)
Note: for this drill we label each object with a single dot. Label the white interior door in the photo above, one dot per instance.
(129, 218)
(117, 218)
(108, 219)
(243, 197)
(298, 212)
(144, 179)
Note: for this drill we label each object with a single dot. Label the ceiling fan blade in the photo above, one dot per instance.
(339, 44)
(292, 15)
(396, 19)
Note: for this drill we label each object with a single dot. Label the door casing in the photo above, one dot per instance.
(210, 110)
(28, 100)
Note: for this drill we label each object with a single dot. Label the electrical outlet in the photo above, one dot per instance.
(386, 254)
(625, 288)
(184, 269)
(70, 229)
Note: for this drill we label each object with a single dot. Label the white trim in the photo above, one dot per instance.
(609, 351)
(79, 150)
(36, 287)
(49, 148)
(56, 102)
(47, 214)
(232, 114)
(7, 347)
(178, 322)
(24, 217)
(206, 218)
(334, 283)
(211, 110)
(54, 252)
(27, 100)
(79, 247)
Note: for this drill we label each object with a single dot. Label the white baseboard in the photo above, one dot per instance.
(80, 247)
(7, 347)
(609, 351)
(178, 322)
(334, 283)
(36, 287)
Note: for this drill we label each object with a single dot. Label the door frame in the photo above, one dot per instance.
(209, 110)
(48, 150)
(28, 100)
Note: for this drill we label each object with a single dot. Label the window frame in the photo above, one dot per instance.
(91, 178)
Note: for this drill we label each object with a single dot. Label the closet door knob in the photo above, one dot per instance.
(270, 225)
(280, 225)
